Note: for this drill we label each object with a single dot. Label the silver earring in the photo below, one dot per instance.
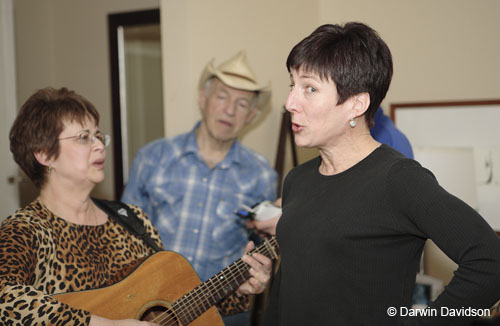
(352, 123)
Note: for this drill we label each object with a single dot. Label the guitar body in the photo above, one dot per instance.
(157, 282)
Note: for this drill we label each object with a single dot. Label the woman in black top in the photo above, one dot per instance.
(356, 218)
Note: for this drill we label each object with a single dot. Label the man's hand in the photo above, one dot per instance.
(267, 227)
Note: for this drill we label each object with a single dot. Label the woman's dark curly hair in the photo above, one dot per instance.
(40, 122)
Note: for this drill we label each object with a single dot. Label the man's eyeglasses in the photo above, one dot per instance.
(86, 138)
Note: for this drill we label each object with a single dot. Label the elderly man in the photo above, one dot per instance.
(191, 185)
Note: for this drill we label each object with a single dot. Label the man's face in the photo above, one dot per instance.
(226, 110)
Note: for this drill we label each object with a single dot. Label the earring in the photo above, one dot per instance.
(50, 169)
(352, 123)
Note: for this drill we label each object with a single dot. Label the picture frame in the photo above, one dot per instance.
(459, 141)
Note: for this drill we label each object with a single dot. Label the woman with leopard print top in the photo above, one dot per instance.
(62, 241)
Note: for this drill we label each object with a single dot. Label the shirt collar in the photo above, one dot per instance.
(190, 145)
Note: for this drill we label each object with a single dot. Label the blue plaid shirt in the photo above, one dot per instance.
(192, 205)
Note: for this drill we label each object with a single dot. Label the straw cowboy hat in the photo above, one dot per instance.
(236, 73)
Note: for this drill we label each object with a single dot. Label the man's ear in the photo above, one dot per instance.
(251, 115)
(361, 104)
(41, 157)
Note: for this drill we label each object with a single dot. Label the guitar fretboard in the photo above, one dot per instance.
(201, 298)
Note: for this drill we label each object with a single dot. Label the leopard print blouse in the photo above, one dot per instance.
(42, 254)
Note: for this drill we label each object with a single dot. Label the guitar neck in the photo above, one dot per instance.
(201, 298)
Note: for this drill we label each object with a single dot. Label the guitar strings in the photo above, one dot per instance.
(228, 277)
(237, 267)
(223, 279)
(193, 301)
(194, 298)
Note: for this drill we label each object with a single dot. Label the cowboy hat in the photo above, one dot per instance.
(236, 73)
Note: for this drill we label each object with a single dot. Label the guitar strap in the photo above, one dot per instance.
(122, 214)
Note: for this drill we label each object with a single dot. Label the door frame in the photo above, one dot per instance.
(115, 22)
(8, 107)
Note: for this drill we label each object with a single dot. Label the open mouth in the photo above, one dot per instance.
(296, 127)
(226, 123)
(98, 163)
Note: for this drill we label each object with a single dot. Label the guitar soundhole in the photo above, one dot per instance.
(161, 316)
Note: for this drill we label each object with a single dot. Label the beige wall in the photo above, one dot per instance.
(194, 32)
(65, 43)
(443, 50)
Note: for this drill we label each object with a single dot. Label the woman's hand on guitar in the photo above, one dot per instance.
(100, 321)
(260, 272)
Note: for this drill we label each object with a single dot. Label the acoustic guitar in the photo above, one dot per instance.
(158, 291)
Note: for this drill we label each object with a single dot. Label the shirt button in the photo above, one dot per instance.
(196, 231)
(200, 204)
(204, 179)
(190, 258)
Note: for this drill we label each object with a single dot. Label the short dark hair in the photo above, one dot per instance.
(353, 56)
(40, 122)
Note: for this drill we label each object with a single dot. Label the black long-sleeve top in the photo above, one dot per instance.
(351, 243)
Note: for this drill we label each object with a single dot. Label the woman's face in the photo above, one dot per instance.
(317, 120)
(80, 162)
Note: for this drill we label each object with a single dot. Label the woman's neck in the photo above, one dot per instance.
(344, 155)
(71, 205)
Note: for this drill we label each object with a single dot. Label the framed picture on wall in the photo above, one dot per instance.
(460, 143)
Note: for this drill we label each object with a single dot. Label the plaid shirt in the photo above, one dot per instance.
(192, 205)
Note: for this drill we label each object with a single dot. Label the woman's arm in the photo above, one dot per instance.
(21, 265)
(457, 229)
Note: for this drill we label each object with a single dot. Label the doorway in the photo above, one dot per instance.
(9, 177)
(136, 82)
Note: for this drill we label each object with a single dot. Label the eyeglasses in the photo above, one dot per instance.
(86, 138)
